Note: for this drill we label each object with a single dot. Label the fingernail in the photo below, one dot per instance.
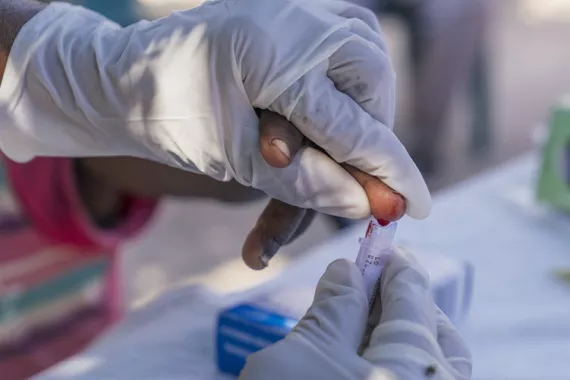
(282, 146)
(264, 259)
(269, 251)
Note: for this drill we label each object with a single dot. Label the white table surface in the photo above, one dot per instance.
(519, 326)
(519, 323)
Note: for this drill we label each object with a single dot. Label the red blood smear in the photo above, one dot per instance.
(369, 229)
(382, 222)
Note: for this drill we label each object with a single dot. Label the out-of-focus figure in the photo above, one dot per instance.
(446, 49)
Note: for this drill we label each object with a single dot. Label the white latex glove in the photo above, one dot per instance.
(182, 90)
(414, 340)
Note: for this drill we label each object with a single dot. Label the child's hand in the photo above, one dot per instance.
(102, 180)
(280, 223)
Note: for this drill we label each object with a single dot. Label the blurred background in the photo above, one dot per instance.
(477, 81)
(491, 72)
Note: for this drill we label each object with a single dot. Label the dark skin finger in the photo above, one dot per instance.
(151, 179)
(304, 225)
(275, 227)
(385, 203)
(281, 223)
(102, 181)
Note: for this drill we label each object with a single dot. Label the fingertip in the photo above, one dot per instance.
(252, 250)
(342, 266)
(343, 272)
(384, 202)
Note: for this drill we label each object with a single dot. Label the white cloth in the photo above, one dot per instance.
(413, 339)
(181, 90)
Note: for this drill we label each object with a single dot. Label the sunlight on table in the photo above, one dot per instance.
(230, 277)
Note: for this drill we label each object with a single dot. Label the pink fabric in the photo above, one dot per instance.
(48, 196)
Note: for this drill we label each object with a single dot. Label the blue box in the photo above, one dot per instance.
(245, 329)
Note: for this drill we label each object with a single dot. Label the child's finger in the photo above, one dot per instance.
(276, 226)
(385, 203)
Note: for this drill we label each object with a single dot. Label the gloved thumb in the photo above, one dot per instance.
(339, 311)
(324, 343)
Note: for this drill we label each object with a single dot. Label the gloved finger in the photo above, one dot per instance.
(408, 323)
(275, 227)
(279, 140)
(336, 123)
(313, 181)
(339, 310)
(453, 346)
(369, 81)
(405, 293)
(364, 72)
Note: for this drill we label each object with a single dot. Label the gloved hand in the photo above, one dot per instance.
(413, 340)
(104, 180)
(182, 91)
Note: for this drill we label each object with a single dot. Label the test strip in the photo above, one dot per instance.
(375, 249)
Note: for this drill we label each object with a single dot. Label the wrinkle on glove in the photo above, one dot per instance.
(181, 91)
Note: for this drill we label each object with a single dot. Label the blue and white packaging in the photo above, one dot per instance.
(245, 329)
(257, 323)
